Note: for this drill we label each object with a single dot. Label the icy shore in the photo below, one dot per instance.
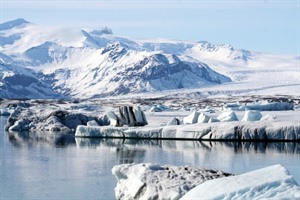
(237, 130)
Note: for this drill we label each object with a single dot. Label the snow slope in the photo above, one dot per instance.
(20, 82)
(85, 63)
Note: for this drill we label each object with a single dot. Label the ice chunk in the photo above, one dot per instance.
(212, 120)
(272, 182)
(99, 131)
(92, 123)
(150, 181)
(140, 116)
(159, 108)
(4, 112)
(203, 118)
(174, 121)
(260, 106)
(268, 117)
(252, 115)
(192, 118)
(113, 118)
(19, 125)
(227, 116)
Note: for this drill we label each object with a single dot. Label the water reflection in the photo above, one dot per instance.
(134, 146)
(236, 147)
(29, 139)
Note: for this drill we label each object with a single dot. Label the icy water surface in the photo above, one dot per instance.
(61, 167)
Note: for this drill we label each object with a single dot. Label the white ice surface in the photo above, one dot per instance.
(272, 182)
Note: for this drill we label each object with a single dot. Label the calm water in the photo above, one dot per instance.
(62, 167)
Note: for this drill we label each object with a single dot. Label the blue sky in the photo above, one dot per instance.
(266, 26)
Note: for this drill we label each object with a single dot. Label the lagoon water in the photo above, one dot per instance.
(61, 167)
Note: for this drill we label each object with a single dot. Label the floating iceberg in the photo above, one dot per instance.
(260, 106)
(272, 182)
(4, 112)
(203, 118)
(227, 116)
(237, 130)
(149, 181)
(252, 115)
(192, 118)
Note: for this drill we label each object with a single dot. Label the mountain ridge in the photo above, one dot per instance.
(82, 63)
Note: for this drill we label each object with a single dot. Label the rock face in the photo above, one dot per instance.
(149, 181)
(272, 182)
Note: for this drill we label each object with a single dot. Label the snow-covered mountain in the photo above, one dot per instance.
(50, 62)
(20, 82)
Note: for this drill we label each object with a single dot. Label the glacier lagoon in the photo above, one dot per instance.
(62, 167)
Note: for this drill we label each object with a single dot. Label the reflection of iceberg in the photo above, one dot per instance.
(235, 147)
(30, 138)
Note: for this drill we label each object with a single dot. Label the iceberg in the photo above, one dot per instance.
(192, 118)
(260, 106)
(203, 118)
(272, 182)
(236, 130)
(227, 116)
(252, 115)
(151, 181)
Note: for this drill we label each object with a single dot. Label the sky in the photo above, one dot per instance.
(259, 25)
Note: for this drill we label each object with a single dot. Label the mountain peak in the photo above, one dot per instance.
(13, 23)
(104, 30)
